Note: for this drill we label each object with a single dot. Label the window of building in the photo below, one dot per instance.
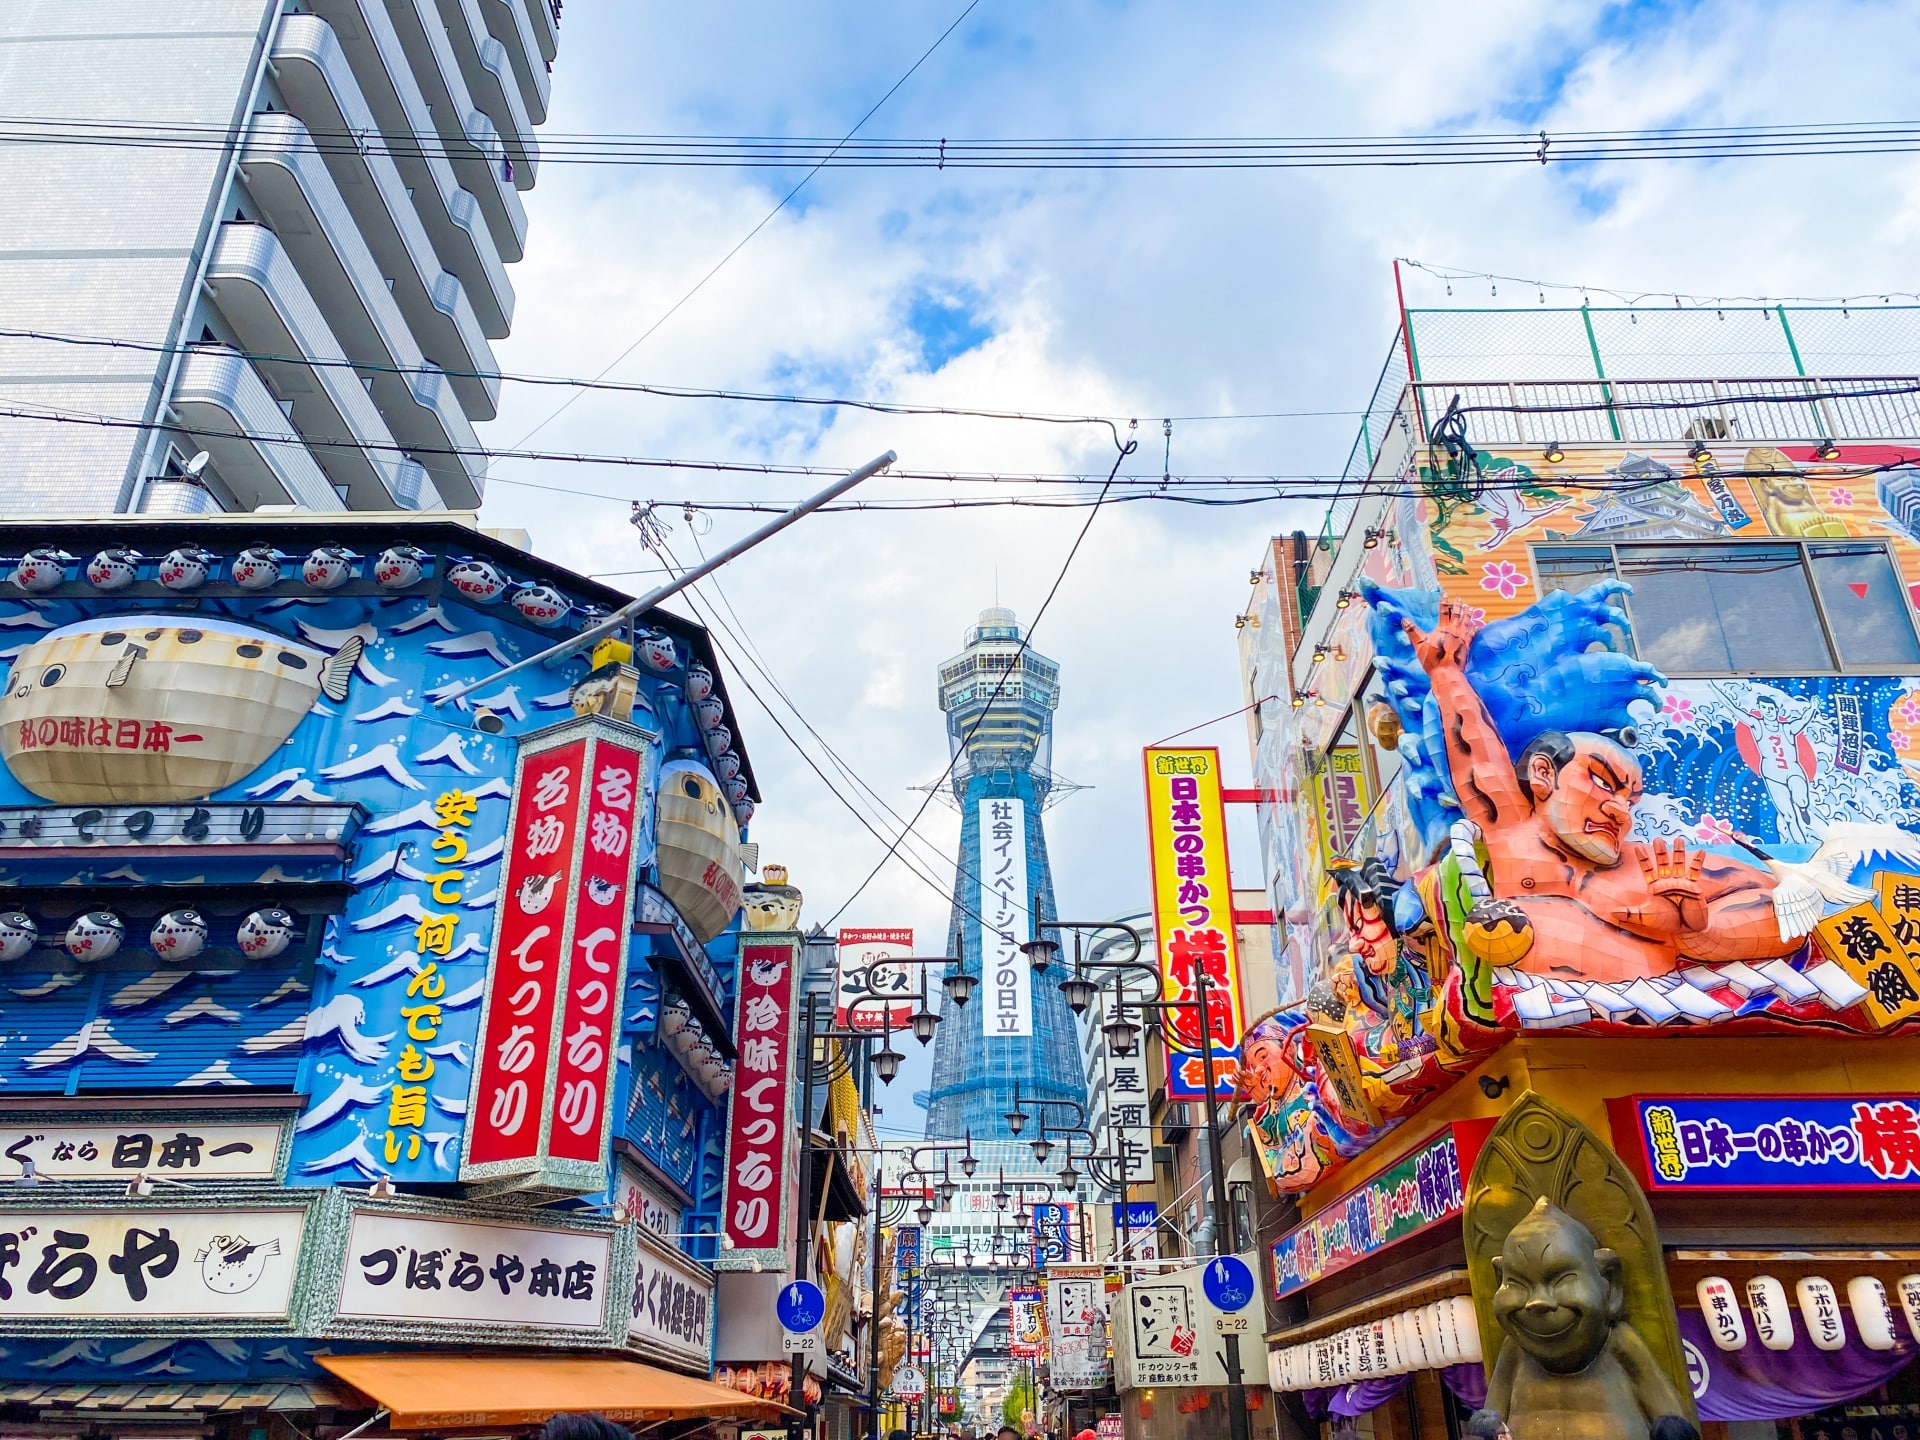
(1777, 607)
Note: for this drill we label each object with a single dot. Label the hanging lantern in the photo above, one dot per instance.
(1772, 1321)
(726, 766)
(328, 567)
(1720, 1308)
(113, 569)
(178, 935)
(95, 935)
(477, 581)
(719, 740)
(257, 567)
(708, 712)
(1908, 1287)
(656, 651)
(542, 604)
(1820, 1308)
(185, 568)
(743, 812)
(18, 934)
(265, 933)
(1467, 1326)
(1872, 1316)
(399, 566)
(40, 570)
(736, 789)
(699, 682)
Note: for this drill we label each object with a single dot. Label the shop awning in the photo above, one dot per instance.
(430, 1391)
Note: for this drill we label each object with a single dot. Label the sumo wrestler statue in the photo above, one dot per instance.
(1570, 1364)
(1555, 820)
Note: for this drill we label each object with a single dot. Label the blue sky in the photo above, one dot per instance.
(1136, 294)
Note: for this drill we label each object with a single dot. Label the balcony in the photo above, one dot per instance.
(462, 236)
(512, 25)
(218, 393)
(260, 293)
(489, 75)
(318, 84)
(545, 19)
(472, 143)
(287, 178)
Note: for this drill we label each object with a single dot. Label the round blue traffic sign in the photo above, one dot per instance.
(1228, 1283)
(802, 1306)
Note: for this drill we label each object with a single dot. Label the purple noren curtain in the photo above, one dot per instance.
(1467, 1382)
(1761, 1384)
(1347, 1401)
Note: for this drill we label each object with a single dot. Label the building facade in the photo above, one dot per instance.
(346, 1016)
(273, 232)
(999, 697)
(1584, 735)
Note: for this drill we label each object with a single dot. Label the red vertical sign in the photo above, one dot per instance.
(509, 1096)
(596, 973)
(761, 1125)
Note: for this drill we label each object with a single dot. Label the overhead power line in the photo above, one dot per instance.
(815, 153)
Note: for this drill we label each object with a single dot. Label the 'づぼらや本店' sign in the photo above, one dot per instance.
(1770, 1142)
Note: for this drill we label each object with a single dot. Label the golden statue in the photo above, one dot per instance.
(1786, 499)
(1570, 1287)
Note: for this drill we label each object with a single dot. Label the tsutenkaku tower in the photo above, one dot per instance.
(999, 702)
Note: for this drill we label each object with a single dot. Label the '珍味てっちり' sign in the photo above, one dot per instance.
(1770, 1142)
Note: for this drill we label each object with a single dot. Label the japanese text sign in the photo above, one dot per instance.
(415, 1267)
(1004, 899)
(1771, 1142)
(1052, 1233)
(761, 1130)
(61, 1151)
(1077, 1327)
(672, 1311)
(863, 971)
(1422, 1189)
(157, 1265)
(549, 1028)
(1129, 1116)
(1027, 1323)
(1193, 916)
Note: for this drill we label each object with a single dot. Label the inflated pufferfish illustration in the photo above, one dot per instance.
(772, 904)
(139, 709)
(232, 1264)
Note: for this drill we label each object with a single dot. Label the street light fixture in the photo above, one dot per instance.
(924, 1022)
(1123, 1036)
(1041, 953)
(968, 1164)
(1042, 1148)
(959, 986)
(925, 1212)
(1079, 992)
(1016, 1118)
(886, 1062)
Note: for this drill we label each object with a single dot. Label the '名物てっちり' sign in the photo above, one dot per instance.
(1422, 1189)
(761, 1136)
(1193, 917)
(1770, 1142)
(538, 1114)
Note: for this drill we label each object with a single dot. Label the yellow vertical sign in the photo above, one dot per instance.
(1193, 915)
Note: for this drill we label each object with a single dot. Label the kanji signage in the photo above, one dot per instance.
(52, 1150)
(1770, 1142)
(1052, 1233)
(423, 1267)
(1193, 916)
(154, 1265)
(1004, 898)
(1423, 1189)
(175, 826)
(1130, 1117)
(671, 1316)
(1077, 1327)
(761, 1132)
(1027, 1323)
(538, 1115)
(863, 971)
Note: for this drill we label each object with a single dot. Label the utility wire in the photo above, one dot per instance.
(1026, 640)
(766, 220)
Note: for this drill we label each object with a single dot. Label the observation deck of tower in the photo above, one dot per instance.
(999, 701)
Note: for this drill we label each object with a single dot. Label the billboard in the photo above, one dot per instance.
(762, 1138)
(1004, 898)
(1193, 915)
(1770, 1142)
(861, 969)
(1077, 1327)
(1026, 1323)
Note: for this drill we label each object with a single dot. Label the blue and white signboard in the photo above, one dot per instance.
(801, 1307)
(906, 1249)
(1138, 1223)
(1228, 1283)
(1052, 1233)
(1771, 1142)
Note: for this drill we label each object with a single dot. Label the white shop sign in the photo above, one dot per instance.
(410, 1267)
(154, 1264)
(647, 1204)
(672, 1309)
(170, 1149)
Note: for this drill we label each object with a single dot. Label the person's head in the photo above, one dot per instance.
(583, 1427)
(1006, 1432)
(1586, 787)
(897, 1435)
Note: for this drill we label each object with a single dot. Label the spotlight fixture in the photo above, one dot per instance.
(1239, 622)
(1319, 653)
(1493, 1086)
(886, 1063)
(1041, 953)
(924, 1022)
(1079, 993)
(140, 1187)
(1826, 450)
(1298, 701)
(1345, 598)
(1042, 1148)
(1016, 1120)
(1254, 577)
(1375, 534)
(1553, 454)
(1697, 451)
(959, 986)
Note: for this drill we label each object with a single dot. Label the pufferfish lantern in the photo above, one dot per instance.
(208, 698)
(541, 604)
(179, 935)
(95, 935)
(18, 934)
(477, 581)
(257, 567)
(771, 903)
(265, 933)
(113, 569)
(700, 862)
(399, 566)
(40, 570)
(184, 568)
(327, 567)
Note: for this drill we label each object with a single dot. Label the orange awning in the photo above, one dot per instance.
(425, 1390)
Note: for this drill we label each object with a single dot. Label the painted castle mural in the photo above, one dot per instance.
(1629, 743)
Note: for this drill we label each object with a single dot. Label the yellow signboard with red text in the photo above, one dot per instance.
(1193, 917)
